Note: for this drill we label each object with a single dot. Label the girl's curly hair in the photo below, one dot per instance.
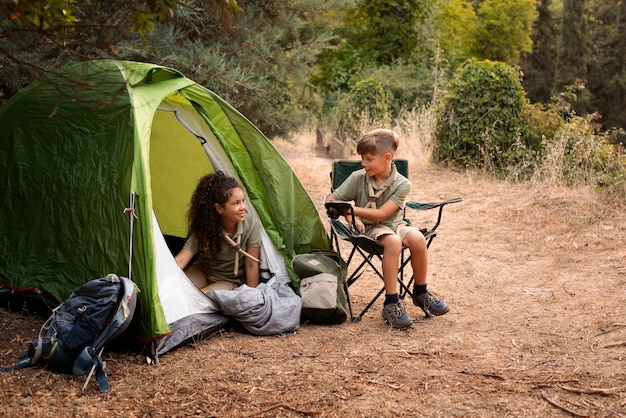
(204, 221)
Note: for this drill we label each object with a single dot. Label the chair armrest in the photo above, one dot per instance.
(433, 205)
(426, 206)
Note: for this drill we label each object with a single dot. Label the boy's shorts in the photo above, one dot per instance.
(379, 230)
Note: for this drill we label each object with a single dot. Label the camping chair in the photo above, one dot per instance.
(367, 248)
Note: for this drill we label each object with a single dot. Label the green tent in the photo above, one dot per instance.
(97, 167)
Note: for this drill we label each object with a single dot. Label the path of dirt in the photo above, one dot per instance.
(537, 283)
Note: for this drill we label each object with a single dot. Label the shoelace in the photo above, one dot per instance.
(398, 310)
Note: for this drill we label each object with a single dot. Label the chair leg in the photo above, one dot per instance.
(367, 308)
(404, 288)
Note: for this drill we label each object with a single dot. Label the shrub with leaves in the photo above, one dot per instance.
(366, 100)
(481, 119)
(578, 156)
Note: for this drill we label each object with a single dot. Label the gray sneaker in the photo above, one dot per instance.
(396, 316)
(431, 303)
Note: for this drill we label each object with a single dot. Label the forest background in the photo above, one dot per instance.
(513, 87)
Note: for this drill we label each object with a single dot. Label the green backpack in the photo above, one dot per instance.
(322, 278)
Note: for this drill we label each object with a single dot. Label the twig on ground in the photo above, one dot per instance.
(616, 325)
(617, 344)
(567, 291)
(259, 388)
(592, 391)
(281, 405)
(531, 367)
(392, 386)
(414, 352)
(489, 375)
(569, 411)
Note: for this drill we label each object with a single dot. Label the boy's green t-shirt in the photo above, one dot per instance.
(398, 189)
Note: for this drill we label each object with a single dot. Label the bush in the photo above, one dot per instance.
(578, 156)
(406, 85)
(364, 104)
(481, 120)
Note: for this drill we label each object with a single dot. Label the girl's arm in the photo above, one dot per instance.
(183, 258)
(252, 267)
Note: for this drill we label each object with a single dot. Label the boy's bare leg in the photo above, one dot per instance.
(416, 243)
(393, 310)
(392, 248)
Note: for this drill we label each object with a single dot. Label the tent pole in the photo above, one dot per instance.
(133, 215)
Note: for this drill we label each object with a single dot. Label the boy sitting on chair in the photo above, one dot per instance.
(379, 194)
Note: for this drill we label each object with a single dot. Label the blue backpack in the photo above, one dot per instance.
(73, 338)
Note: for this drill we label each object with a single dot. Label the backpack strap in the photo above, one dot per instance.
(44, 328)
(23, 362)
(91, 360)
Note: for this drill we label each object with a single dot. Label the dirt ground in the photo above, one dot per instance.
(536, 279)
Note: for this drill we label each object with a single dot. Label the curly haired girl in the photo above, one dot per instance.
(226, 240)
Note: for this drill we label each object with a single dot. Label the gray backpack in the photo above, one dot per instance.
(322, 278)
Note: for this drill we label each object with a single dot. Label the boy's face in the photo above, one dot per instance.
(375, 164)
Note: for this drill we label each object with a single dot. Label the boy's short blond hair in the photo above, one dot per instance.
(378, 141)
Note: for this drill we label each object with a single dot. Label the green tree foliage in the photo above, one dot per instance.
(608, 62)
(572, 51)
(255, 53)
(503, 30)
(366, 99)
(258, 60)
(387, 41)
(39, 36)
(585, 71)
(481, 119)
(388, 30)
(455, 22)
(539, 66)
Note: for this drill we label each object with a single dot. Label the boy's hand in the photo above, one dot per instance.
(336, 208)
(359, 225)
(355, 223)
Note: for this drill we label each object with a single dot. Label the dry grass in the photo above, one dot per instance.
(536, 279)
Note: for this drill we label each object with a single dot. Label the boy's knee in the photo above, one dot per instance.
(391, 241)
(414, 240)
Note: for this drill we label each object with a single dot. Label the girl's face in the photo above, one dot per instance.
(234, 210)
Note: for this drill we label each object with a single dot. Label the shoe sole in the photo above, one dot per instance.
(399, 326)
(430, 313)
